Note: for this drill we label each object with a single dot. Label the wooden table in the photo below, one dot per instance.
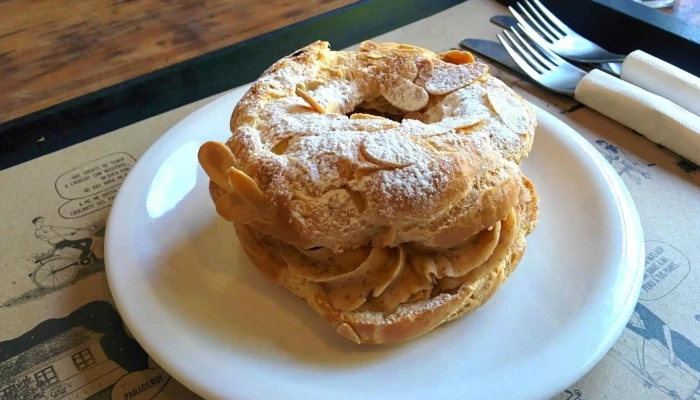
(56, 50)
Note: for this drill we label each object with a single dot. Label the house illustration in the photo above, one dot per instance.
(80, 356)
(72, 365)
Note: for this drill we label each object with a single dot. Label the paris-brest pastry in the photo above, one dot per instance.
(382, 186)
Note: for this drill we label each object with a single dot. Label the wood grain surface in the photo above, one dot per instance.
(52, 51)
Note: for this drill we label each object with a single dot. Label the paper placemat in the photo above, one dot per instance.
(61, 337)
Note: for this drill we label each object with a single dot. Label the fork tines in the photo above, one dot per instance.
(539, 60)
(547, 31)
(546, 23)
(540, 63)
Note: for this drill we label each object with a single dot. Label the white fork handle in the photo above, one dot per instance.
(655, 117)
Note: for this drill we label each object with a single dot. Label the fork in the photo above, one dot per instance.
(545, 29)
(653, 116)
(506, 21)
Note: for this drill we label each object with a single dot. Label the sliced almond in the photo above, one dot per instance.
(403, 46)
(408, 69)
(232, 207)
(458, 57)
(368, 45)
(462, 108)
(390, 149)
(448, 78)
(249, 191)
(215, 159)
(404, 94)
(346, 330)
(374, 55)
(371, 278)
(310, 100)
(365, 169)
(464, 121)
(365, 116)
(425, 70)
(398, 65)
(416, 129)
(511, 111)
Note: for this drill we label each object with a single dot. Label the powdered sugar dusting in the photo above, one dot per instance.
(419, 129)
(447, 78)
(392, 149)
(391, 168)
(344, 94)
(511, 112)
(405, 95)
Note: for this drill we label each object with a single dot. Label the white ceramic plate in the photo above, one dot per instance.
(203, 312)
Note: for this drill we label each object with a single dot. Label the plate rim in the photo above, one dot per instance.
(628, 213)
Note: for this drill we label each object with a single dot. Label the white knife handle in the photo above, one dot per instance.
(655, 117)
(659, 77)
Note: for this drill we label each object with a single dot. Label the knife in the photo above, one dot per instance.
(494, 51)
(507, 21)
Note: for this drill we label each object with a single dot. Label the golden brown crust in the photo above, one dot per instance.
(338, 182)
(387, 229)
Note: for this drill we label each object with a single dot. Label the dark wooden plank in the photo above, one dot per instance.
(52, 51)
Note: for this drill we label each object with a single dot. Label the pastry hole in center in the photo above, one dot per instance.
(371, 111)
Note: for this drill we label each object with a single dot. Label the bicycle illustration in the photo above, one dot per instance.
(73, 248)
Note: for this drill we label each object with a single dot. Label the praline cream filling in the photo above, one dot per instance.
(381, 278)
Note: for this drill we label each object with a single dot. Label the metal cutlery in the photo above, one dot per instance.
(494, 51)
(639, 68)
(507, 21)
(548, 31)
(653, 116)
(544, 67)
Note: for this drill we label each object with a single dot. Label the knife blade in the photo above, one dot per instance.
(504, 21)
(507, 21)
(494, 51)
